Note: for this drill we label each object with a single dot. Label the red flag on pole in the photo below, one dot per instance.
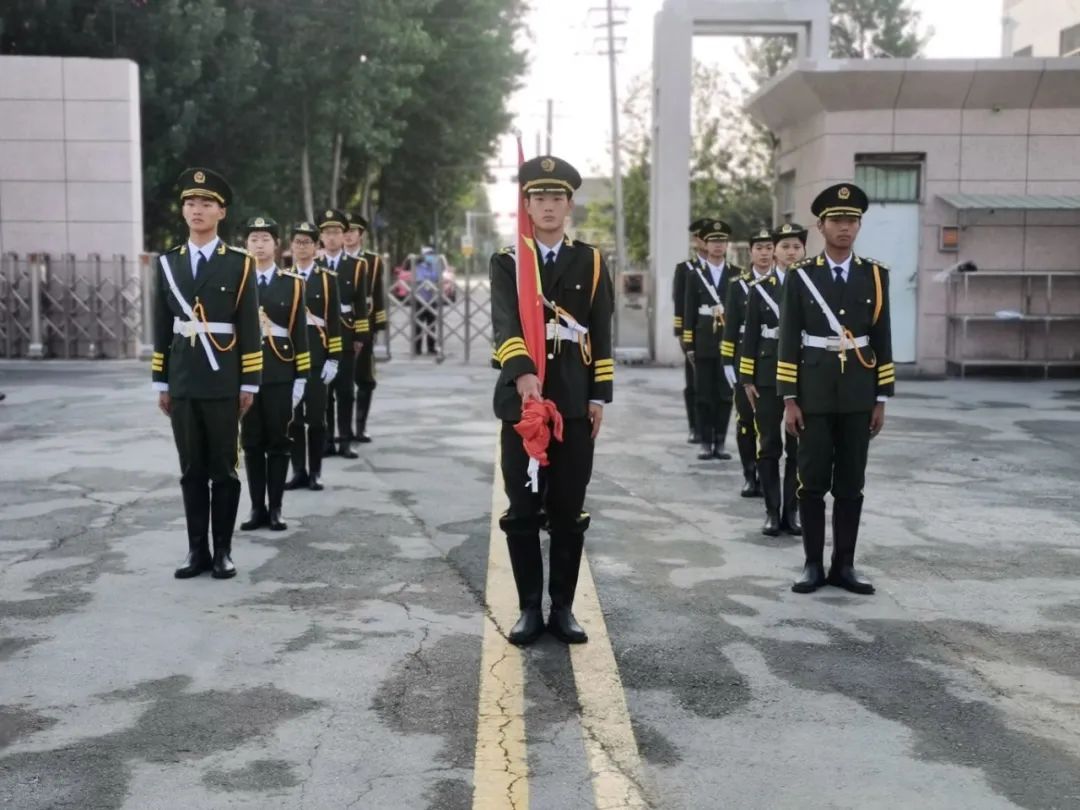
(538, 419)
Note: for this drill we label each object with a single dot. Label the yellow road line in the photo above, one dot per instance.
(501, 770)
(610, 746)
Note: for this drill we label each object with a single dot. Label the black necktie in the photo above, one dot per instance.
(264, 280)
(839, 277)
(200, 265)
(549, 260)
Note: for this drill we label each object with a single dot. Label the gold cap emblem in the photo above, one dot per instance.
(764, 234)
(786, 228)
(329, 214)
(199, 177)
(718, 226)
(547, 164)
(844, 193)
(259, 222)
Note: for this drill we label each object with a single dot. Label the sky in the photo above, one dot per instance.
(565, 65)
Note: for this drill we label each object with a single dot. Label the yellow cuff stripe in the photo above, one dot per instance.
(363, 326)
(512, 346)
(380, 317)
(157, 367)
(887, 381)
(678, 322)
(782, 364)
(302, 367)
(158, 356)
(886, 367)
(600, 378)
(505, 358)
(687, 336)
(605, 362)
(746, 368)
(249, 355)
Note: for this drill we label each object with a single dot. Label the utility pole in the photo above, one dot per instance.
(616, 155)
(550, 116)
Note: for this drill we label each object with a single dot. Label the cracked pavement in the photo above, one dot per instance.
(342, 667)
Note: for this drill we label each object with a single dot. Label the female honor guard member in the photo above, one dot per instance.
(207, 365)
(738, 294)
(324, 343)
(264, 430)
(757, 372)
(579, 301)
(835, 372)
(678, 291)
(332, 226)
(375, 292)
(703, 329)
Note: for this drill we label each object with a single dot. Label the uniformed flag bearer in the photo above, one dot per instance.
(835, 372)
(580, 369)
(308, 428)
(683, 270)
(264, 430)
(375, 295)
(757, 372)
(207, 366)
(731, 352)
(703, 328)
(340, 397)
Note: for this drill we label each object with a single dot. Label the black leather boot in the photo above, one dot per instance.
(528, 565)
(345, 450)
(720, 429)
(316, 437)
(693, 437)
(224, 501)
(769, 472)
(706, 453)
(813, 520)
(747, 444)
(276, 468)
(566, 548)
(298, 453)
(197, 514)
(329, 446)
(255, 464)
(789, 515)
(847, 512)
(344, 427)
(363, 407)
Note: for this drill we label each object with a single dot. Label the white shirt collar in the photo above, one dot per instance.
(333, 260)
(757, 274)
(206, 250)
(716, 269)
(307, 271)
(544, 250)
(844, 265)
(268, 274)
(780, 273)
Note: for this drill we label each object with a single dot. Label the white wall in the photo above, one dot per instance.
(1037, 23)
(70, 156)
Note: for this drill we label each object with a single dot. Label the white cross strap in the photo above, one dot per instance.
(830, 316)
(711, 289)
(768, 299)
(186, 307)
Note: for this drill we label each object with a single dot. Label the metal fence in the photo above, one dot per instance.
(64, 307)
(61, 306)
(452, 317)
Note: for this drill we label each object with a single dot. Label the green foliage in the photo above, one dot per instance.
(414, 91)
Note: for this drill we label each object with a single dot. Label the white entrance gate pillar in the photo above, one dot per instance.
(673, 33)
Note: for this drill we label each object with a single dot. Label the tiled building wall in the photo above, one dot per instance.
(70, 156)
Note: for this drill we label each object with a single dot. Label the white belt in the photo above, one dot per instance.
(705, 309)
(278, 331)
(346, 309)
(560, 332)
(771, 332)
(315, 320)
(742, 329)
(833, 343)
(192, 328)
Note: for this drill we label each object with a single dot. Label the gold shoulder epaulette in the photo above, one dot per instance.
(329, 272)
(579, 243)
(289, 273)
(239, 250)
(762, 280)
(181, 249)
(868, 260)
(509, 250)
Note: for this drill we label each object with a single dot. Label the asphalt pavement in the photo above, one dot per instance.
(358, 659)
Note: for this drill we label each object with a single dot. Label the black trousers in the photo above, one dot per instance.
(265, 427)
(424, 328)
(365, 364)
(307, 431)
(772, 439)
(745, 433)
(205, 431)
(713, 399)
(689, 394)
(340, 395)
(833, 449)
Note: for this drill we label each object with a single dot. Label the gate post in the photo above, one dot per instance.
(146, 327)
(468, 307)
(37, 348)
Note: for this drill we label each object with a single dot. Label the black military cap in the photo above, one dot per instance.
(714, 229)
(790, 230)
(841, 200)
(697, 225)
(760, 235)
(204, 183)
(304, 229)
(357, 222)
(333, 218)
(261, 224)
(548, 174)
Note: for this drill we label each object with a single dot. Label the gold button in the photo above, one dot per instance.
(551, 357)
(841, 312)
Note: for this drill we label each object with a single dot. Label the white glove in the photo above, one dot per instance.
(329, 371)
(729, 372)
(298, 386)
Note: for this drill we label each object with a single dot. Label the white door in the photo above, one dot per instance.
(890, 234)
